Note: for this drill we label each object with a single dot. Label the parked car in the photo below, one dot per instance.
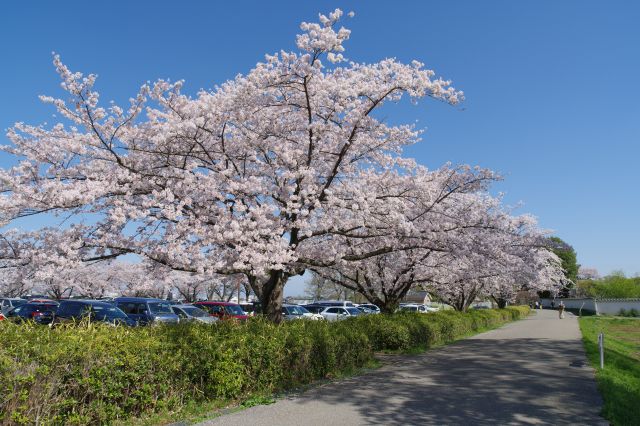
(373, 309)
(193, 313)
(8, 303)
(34, 296)
(415, 307)
(292, 312)
(314, 308)
(41, 313)
(431, 308)
(363, 310)
(70, 311)
(146, 311)
(223, 310)
(43, 300)
(333, 303)
(336, 313)
(251, 308)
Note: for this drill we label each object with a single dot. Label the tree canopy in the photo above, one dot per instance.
(286, 168)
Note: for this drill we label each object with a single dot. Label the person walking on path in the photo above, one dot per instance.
(561, 310)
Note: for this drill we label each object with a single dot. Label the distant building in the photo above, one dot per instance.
(419, 297)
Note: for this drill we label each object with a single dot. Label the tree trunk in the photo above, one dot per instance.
(500, 301)
(388, 307)
(255, 286)
(392, 300)
(271, 297)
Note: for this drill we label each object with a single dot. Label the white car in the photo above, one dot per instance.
(369, 308)
(292, 312)
(192, 313)
(336, 313)
(431, 308)
(414, 307)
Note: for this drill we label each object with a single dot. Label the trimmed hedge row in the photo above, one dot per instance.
(98, 374)
(410, 331)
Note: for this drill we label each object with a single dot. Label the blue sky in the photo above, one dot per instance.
(552, 87)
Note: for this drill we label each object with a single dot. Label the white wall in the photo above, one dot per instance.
(599, 306)
(613, 306)
(585, 304)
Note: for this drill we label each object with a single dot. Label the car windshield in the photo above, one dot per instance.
(106, 312)
(18, 302)
(160, 308)
(233, 310)
(353, 311)
(206, 308)
(194, 312)
(294, 310)
(410, 308)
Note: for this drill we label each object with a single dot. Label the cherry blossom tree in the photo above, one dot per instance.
(506, 255)
(15, 256)
(192, 287)
(322, 288)
(585, 273)
(14, 282)
(246, 178)
(419, 220)
(461, 245)
(27, 258)
(189, 286)
(225, 288)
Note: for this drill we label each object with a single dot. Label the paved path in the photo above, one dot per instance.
(532, 371)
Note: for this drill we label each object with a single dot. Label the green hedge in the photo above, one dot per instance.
(98, 374)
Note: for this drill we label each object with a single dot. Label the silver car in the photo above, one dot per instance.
(337, 313)
(415, 307)
(291, 312)
(193, 313)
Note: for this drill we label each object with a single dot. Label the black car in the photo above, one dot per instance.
(144, 310)
(39, 312)
(73, 311)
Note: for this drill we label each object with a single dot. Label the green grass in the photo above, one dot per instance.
(619, 382)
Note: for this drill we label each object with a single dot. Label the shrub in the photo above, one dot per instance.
(630, 313)
(98, 374)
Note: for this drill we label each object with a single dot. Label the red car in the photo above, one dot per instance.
(223, 310)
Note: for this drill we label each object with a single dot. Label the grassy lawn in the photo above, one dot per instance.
(619, 382)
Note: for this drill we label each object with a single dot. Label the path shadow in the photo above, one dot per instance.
(514, 381)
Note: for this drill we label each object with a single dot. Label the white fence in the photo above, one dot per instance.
(597, 306)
